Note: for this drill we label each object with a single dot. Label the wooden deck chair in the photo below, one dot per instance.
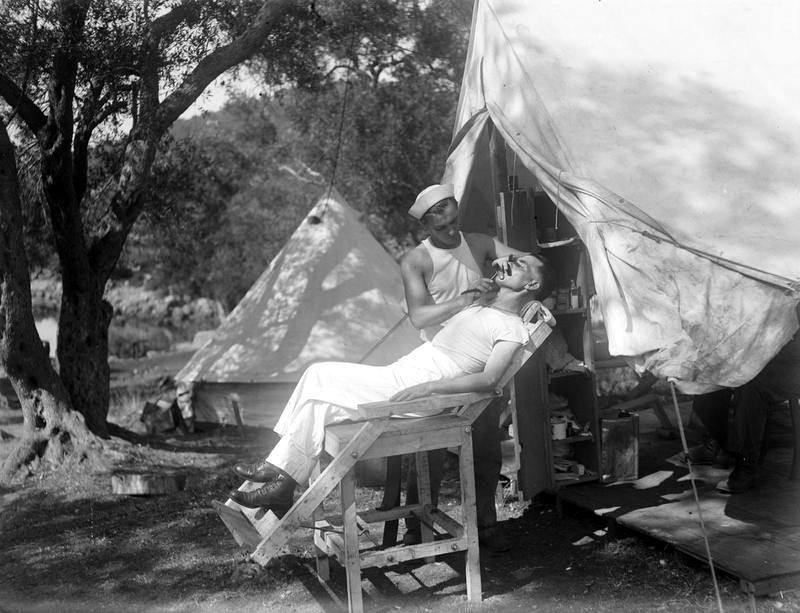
(384, 433)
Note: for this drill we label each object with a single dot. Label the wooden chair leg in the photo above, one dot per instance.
(320, 551)
(424, 489)
(466, 466)
(352, 562)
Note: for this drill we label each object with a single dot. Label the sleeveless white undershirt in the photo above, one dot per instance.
(454, 270)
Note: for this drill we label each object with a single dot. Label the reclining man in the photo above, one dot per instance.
(470, 354)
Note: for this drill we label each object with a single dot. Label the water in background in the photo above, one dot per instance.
(48, 331)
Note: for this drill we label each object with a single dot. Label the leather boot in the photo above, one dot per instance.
(276, 494)
(261, 471)
(711, 452)
(743, 477)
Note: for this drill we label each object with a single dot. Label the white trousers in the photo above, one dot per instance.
(330, 392)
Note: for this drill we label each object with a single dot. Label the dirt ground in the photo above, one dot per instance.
(69, 544)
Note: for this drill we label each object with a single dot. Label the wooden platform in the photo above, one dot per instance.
(754, 536)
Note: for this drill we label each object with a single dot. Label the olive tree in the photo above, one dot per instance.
(73, 71)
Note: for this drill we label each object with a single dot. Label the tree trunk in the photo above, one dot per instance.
(88, 247)
(51, 429)
(82, 350)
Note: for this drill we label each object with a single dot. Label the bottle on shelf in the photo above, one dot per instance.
(574, 295)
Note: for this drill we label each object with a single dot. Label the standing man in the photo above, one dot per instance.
(445, 273)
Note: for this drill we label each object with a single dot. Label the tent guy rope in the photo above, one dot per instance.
(710, 560)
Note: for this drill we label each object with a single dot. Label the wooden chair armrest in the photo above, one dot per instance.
(429, 404)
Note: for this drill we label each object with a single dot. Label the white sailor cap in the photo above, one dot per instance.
(430, 196)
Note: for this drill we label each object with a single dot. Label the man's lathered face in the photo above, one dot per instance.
(523, 270)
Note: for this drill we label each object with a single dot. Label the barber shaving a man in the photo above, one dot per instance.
(469, 355)
(446, 273)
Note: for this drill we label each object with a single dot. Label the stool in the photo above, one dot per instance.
(402, 436)
(381, 436)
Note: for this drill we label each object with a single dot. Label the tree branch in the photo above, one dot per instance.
(83, 133)
(26, 108)
(155, 120)
(56, 138)
(169, 22)
(217, 62)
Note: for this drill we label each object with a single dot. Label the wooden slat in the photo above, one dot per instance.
(335, 544)
(321, 552)
(239, 526)
(466, 466)
(375, 516)
(438, 402)
(322, 549)
(436, 517)
(424, 494)
(399, 554)
(401, 436)
(305, 505)
(350, 560)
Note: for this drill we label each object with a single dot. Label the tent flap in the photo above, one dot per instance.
(667, 134)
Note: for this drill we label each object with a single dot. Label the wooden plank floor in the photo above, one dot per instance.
(754, 536)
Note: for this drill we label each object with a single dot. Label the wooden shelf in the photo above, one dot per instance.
(569, 258)
(565, 242)
(572, 478)
(578, 438)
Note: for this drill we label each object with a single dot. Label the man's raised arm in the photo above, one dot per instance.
(422, 311)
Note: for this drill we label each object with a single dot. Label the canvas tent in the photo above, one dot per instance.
(668, 134)
(331, 293)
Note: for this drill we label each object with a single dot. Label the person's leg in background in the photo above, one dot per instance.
(436, 467)
(713, 409)
(779, 380)
(750, 410)
(486, 437)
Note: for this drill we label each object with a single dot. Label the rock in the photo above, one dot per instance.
(131, 483)
(160, 417)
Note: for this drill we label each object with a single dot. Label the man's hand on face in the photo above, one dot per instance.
(482, 291)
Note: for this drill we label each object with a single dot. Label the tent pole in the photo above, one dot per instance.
(497, 156)
(703, 530)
